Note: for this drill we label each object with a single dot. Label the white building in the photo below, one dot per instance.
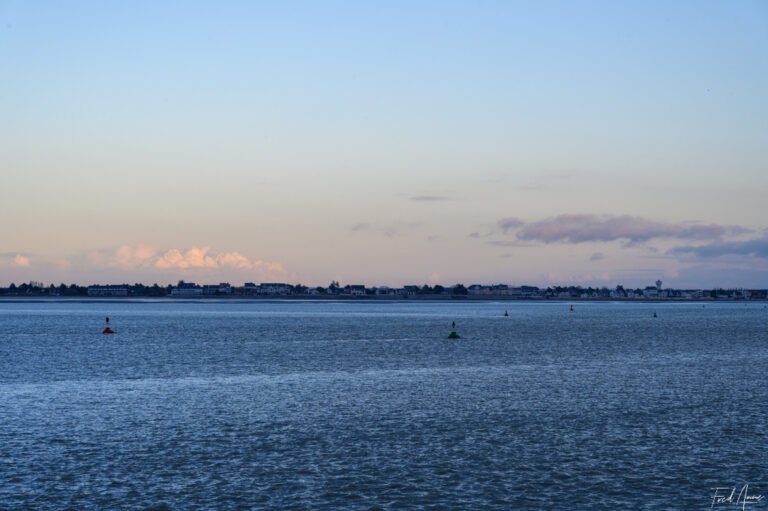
(187, 289)
(107, 290)
(272, 288)
(357, 290)
(217, 289)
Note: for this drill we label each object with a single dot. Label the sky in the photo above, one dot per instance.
(385, 143)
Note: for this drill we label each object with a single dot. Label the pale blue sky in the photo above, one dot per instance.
(382, 142)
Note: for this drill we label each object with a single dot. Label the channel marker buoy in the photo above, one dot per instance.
(453, 334)
(107, 329)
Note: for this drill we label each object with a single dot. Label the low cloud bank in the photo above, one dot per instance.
(572, 228)
(707, 242)
(147, 258)
(751, 248)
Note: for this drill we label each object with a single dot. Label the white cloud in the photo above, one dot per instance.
(148, 259)
(127, 256)
(191, 258)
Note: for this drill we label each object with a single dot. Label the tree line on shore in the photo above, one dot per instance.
(38, 289)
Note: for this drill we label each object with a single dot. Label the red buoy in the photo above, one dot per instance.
(107, 330)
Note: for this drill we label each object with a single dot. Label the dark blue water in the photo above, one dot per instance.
(368, 406)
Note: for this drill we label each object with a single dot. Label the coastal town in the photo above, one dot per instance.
(274, 290)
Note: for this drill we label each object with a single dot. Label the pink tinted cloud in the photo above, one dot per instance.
(148, 258)
(202, 258)
(128, 256)
(191, 258)
(235, 260)
(21, 261)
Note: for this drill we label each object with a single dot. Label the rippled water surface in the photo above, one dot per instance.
(300, 405)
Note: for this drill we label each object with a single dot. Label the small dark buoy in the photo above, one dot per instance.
(571, 308)
(506, 313)
(107, 330)
(453, 334)
(654, 314)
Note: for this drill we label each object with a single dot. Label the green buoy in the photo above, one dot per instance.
(453, 334)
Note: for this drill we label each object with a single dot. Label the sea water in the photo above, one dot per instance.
(357, 405)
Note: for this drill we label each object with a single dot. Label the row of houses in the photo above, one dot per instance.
(275, 289)
(191, 289)
(501, 291)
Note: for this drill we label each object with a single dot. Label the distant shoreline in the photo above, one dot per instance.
(361, 299)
